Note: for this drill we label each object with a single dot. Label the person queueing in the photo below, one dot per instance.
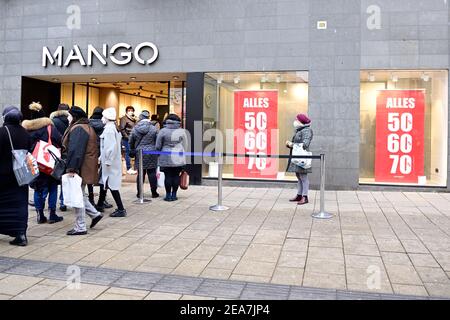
(111, 161)
(143, 137)
(13, 198)
(96, 123)
(171, 138)
(44, 185)
(155, 121)
(60, 119)
(81, 153)
(303, 134)
(127, 123)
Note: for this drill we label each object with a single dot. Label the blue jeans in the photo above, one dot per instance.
(40, 196)
(127, 153)
(61, 197)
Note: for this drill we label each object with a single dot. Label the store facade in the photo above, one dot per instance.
(372, 76)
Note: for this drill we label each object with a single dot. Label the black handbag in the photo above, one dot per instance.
(60, 167)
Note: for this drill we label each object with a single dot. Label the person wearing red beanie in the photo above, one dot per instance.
(303, 134)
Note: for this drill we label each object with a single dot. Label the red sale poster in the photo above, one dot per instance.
(255, 132)
(399, 150)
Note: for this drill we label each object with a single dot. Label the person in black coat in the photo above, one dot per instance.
(60, 119)
(13, 198)
(44, 185)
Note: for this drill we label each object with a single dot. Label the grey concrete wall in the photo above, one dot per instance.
(243, 35)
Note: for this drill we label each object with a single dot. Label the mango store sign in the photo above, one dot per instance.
(119, 54)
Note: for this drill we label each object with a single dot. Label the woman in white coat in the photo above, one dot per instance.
(111, 160)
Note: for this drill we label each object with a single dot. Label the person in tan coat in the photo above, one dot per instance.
(80, 147)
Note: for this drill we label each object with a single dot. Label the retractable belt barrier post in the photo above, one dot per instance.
(322, 214)
(141, 199)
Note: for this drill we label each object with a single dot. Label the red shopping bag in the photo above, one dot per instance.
(42, 155)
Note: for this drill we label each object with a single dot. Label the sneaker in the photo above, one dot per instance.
(119, 213)
(107, 205)
(132, 172)
(96, 220)
(73, 232)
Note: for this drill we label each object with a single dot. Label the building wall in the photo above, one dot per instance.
(244, 35)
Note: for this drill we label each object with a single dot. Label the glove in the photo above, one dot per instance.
(289, 144)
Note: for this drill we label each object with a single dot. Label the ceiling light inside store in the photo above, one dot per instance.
(264, 78)
(133, 78)
(176, 77)
(278, 79)
(220, 79)
(236, 79)
(55, 79)
(93, 79)
(371, 77)
(425, 77)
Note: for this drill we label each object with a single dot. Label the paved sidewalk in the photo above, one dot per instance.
(378, 242)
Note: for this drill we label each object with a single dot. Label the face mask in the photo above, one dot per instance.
(104, 120)
(130, 114)
(297, 124)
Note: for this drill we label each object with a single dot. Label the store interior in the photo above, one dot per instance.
(435, 85)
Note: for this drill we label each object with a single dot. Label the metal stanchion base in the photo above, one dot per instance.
(218, 207)
(322, 215)
(142, 201)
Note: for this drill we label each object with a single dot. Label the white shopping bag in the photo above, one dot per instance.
(73, 195)
(160, 175)
(297, 150)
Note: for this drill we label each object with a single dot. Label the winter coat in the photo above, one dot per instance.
(111, 156)
(21, 140)
(98, 127)
(126, 125)
(60, 120)
(37, 129)
(81, 151)
(302, 135)
(173, 139)
(156, 124)
(143, 137)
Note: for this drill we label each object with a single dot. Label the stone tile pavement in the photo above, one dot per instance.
(380, 243)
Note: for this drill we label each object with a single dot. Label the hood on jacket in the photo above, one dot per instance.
(143, 126)
(172, 124)
(36, 124)
(97, 125)
(59, 113)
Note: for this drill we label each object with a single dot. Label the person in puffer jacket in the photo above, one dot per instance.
(44, 185)
(172, 138)
(143, 137)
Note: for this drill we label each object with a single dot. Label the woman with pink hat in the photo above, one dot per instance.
(303, 134)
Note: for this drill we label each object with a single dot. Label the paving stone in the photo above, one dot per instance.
(410, 290)
(154, 295)
(288, 276)
(84, 292)
(312, 294)
(438, 289)
(401, 274)
(15, 284)
(176, 284)
(138, 280)
(349, 295)
(265, 292)
(60, 271)
(255, 268)
(222, 289)
(7, 263)
(101, 276)
(324, 280)
(41, 291)
(224, 262)
(30, 268)
(423, 260)
(122, 294)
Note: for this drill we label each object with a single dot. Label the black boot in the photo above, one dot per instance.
(119, 213)
(41, 217)
(107, 205)
(155, 194)
(21, 240)
(54, 218)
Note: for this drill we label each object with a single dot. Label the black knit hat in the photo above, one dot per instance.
(173, 117)
(12, 115)
(77, 113)
(97, 113)
(63, 106)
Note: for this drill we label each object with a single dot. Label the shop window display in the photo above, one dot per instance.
(404, 127)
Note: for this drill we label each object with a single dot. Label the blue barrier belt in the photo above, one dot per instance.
(235, 155)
